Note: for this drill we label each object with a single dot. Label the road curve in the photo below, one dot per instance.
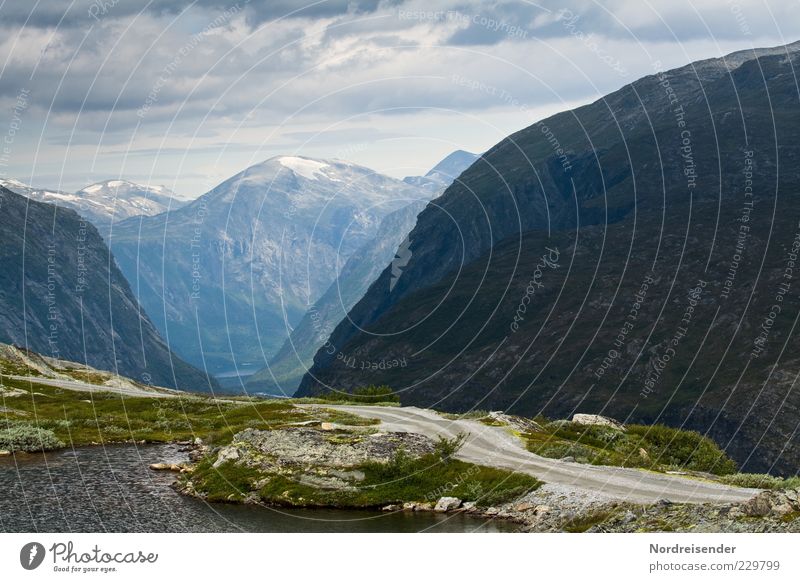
(496, 447)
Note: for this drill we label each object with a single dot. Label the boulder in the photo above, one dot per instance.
(226, 454)
(597, 420)
(447, 504)
(165, 467)
(771, 503)
(392, 507)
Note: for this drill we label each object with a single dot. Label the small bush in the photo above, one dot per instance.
(28, 438)
(446, 448)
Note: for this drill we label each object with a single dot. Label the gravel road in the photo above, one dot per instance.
(496, 447)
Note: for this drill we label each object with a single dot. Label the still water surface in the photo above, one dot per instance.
(99, 489)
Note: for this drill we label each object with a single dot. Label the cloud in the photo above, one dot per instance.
(180, 78)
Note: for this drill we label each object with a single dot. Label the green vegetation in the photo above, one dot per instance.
(365, 395)
(83, 418)
(403, 479)
(656, 447)
(584, 521)
(760, 481)
(23, 436)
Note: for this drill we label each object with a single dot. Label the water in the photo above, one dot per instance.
(111, 489)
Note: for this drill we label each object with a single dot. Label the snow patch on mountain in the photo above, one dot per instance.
(307, 168)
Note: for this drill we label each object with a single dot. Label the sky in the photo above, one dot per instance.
(187, 93)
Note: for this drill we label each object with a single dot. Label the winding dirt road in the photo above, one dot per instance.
(496, 447)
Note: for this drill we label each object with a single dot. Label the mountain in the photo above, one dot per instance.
(285, 369)
(443, 174)
(633, 257)
(227, 276)
(120, 199)
(104, 202)
(62, 295)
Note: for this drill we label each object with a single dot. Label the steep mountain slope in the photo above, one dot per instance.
(61, 294)
(286, 368)
(626, 257)
(105, 202)
(227, 276)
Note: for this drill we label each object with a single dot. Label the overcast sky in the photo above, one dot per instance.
(186, 94)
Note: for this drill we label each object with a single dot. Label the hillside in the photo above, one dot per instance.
(622, 258)
(62, 295)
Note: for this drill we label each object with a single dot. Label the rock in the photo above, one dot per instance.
(524, 506)
(198, 442)
(447, 504)
(597, 420)
(644, 455)
(166, 467)
(409, 506)
(783, 509)
(392, 507)
(4, 453)
(758, 506)
(543, 509)
(226, 454)
(517, 422)
(735, 512)
(470, 506)
(628, 517)
(663, 502)
(568, 459)
(327, 426)
(354, 474)
(491, 511)
(423, 506)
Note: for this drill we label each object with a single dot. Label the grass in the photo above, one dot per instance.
(84, 418)
(656, 447)
(761, 481)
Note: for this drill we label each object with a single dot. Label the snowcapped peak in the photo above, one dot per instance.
(305, 167)
(11, 183)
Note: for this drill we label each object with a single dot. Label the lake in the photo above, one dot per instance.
(111, 489)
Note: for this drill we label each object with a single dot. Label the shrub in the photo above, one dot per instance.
(445, 448)
(760, 481)
(662, 447)
(28, 438)
(365, 395)
(686, 449)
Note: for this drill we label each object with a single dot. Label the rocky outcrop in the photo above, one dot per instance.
(308, 447)
(597, 420)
